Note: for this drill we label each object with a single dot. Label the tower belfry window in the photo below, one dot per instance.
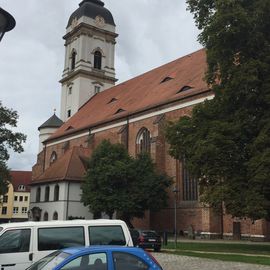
(73, 60)
(97, 59)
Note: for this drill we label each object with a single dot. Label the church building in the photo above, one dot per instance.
(132, 113)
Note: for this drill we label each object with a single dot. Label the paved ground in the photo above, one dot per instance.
(176, 262)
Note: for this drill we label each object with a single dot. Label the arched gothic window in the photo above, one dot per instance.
(73, 60)
(190, 184)
(55, 216)
(56, 193)
(143, 141)
(46, 216)
(47, 194)
(97, 59)
(38, 194)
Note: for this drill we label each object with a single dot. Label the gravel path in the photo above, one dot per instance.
(176, 262)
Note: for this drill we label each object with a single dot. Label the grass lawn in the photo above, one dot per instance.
(235, 252)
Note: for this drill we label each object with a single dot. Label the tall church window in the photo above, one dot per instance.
(46, 216)
(143, 141)
(190, 185)
(47, 194)
(38, 194)
(55, 216)
(73, 60)
(97, 59)
(56, 193)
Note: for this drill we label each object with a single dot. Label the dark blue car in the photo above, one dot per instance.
(98, 258)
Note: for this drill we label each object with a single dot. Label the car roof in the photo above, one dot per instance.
(62, 223)
(100, 248)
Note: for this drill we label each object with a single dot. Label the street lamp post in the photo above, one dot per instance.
(7, 22)
(175, 191)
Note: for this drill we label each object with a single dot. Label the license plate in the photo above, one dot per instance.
(152, 240)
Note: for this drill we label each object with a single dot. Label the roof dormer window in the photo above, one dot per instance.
(112, 100)
(119, 111)
(21, 188)
(166, 79)
(184, 88)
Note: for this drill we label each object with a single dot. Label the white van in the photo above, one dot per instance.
(22, 244)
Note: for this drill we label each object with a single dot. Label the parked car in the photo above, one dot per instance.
(146, 239)
(98, 258)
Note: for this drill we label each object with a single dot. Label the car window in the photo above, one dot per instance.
(40, 264)
(96, 261)
(134, 234)
(149, 233)
(126, 261)
(15, 241)
(60, 237)
(56, 260)
(106, 235)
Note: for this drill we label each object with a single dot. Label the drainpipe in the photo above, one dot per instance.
(127, 133)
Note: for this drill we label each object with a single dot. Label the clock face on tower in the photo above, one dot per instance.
(100, 22)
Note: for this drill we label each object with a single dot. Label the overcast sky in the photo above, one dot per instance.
(151, 33)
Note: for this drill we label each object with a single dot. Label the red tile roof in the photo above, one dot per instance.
(21, 178)
(143, 92)
(71, 166)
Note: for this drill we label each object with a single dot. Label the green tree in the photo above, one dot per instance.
(226, 140)
(8, 140)
(118, 183)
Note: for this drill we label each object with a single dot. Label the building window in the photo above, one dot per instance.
(21, 198)
(143, 141)
(25, 198)
(97, 89)
(21, 188)
(56, 193)
(68, 113)
(5, 199)
(38, 195)
(24, 210)
(97, 59)
(190, 185)
(4, 210)
(55, 216)
(46, 216)
(73, 60)
(70, 90)
(15, 210)
(15, 198)
(53, 157)
(47, 194)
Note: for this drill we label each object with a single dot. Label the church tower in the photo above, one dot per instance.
(89, 56)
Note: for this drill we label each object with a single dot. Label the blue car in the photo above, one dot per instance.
(98, 258)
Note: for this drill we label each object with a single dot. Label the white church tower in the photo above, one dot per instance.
(89, 56)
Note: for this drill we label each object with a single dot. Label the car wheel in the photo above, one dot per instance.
(157, 249)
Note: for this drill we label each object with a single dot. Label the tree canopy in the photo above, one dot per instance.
(8, 140)
(118, 183)
(226, 142)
